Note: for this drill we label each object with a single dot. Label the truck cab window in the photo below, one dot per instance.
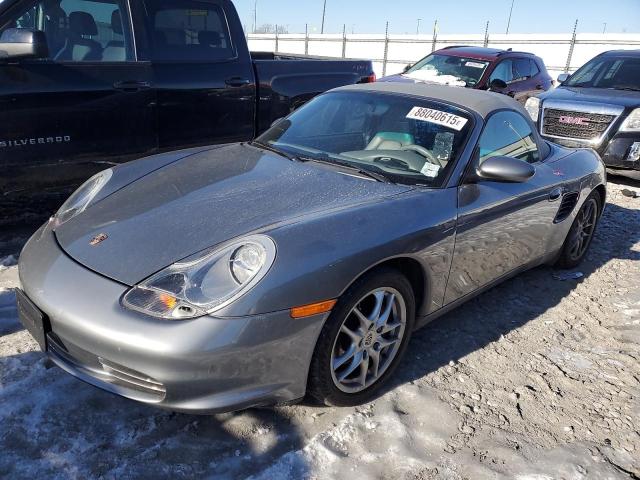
(188, 31)
(79, 30)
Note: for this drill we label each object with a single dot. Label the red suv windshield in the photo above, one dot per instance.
(449, 69)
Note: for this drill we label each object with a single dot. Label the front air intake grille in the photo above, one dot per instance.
(575, 125)
(132, 379)
(103, 370)
(567, 205)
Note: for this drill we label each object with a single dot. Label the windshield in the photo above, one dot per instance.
(464, 72)
(401, 139)
(620, 73)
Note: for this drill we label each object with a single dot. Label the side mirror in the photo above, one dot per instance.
(18, 43)
(506, 169)
(497, 84)
(563, 77)
(406, 68)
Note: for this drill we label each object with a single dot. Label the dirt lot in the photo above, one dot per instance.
(537, 379)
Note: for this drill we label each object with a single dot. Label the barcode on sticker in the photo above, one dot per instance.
(438, 117)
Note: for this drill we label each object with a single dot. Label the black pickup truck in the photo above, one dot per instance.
(89, 83)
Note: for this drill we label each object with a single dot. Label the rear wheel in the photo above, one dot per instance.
(363, 340)
(581, 233)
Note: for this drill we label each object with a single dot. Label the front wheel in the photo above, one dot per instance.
(581, 233)
(363, 340)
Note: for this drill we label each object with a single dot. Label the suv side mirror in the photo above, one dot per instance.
(406, 68)
(497, 84)
(506, 169)
(18, 43)
(563, 77)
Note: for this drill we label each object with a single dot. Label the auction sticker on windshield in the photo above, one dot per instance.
(438, 117)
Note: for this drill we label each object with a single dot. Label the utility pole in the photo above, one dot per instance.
(324, 12)
(571, 47)
(510, 12)
(435, 36)
(255, 16)
(418, 27)
(486, 35)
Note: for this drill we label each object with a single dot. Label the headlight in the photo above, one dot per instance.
(632, 122)
(82, 197)
(201, 285)
(532, 106)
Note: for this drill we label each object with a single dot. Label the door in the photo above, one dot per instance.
(203, 72)
(84, 107)
(502, 226)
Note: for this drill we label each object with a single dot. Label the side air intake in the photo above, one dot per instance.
(567, 205)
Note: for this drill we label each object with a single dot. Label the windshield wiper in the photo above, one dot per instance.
(329, 160)
(277, 151)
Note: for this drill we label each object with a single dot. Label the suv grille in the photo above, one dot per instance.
(578, 125)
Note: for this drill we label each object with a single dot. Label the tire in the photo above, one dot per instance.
(359, 343)
(585, 223)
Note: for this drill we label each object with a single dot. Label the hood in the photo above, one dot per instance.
(201, 201)
(601, 96)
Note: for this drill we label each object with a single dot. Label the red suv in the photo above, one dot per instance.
(517, 74)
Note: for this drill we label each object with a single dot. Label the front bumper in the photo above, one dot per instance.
(204, 365)
(622, 153)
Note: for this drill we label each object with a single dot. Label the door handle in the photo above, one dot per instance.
(555, 194)
(539, 87)
(131, 85)
(237, 81)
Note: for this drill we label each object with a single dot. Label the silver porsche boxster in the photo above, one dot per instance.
(224, 277)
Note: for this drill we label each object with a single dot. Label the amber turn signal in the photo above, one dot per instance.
(312, 309)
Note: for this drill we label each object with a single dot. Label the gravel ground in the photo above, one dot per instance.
(537, 379)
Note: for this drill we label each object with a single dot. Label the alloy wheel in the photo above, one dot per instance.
(368, 340)
(583, 229)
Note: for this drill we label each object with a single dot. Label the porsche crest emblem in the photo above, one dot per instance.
(98, 239)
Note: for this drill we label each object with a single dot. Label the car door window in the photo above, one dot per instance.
(508, 134)
(79, 30)
(534, 68)
(188, 30)
(521, 69)
(503, 71)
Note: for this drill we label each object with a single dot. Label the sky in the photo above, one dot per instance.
(454, 16)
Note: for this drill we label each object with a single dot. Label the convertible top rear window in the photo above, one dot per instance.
(408, 140)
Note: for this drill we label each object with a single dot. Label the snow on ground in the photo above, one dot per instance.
(537, 379)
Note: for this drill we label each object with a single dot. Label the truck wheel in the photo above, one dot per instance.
(363, 340)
